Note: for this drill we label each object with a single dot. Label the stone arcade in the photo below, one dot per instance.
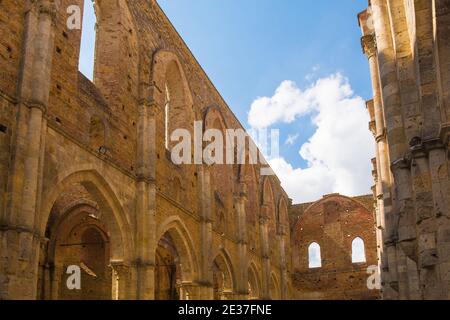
(86, 177)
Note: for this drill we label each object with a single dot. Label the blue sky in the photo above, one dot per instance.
(249, 48)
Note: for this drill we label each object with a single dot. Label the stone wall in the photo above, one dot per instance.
(93, 155)
(333, 223)
(407, 45)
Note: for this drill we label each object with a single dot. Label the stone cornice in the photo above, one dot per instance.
(399, 164)
(421, 148)
(445, 133)
(22, 229)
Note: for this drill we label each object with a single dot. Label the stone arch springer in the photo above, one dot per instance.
(252, 270)
(161, 60)
(230, 278)
(184, 244)
(113, 211)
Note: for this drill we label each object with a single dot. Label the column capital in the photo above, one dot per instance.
(242, 191)
(374, 169)
(382, 136)
(369, 45)
(46, 8)
(420, 148)
(34, 104)
(263, 220)
(373, 128)
(282, 229)
(401, 163)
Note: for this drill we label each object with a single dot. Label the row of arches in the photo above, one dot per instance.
(173, 95)
(226, 179)
(358, 253)
(86, 227)
(169, 89)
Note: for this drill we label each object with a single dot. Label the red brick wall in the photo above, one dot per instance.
(333, 222)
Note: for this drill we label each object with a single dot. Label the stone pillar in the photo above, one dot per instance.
(441, 191)
(428, 258)
(146, 200)
(122, 289)
(19, 235)
(206, 232)
(193, 291)
(56, 272)
(229, 295)
(377, 189)
(241, 287)
(45, 270)
(395, 131)
(282, 234)
(377, 126)
(264, 231)
(420, 202)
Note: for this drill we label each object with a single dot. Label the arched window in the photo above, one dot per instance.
(177, 111)
(88, 38)
(166, 117)
(314, 257)
(358, 251)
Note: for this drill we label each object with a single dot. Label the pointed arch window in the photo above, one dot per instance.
(167, 117)
(314, 256)
(358, 251)
(88, 40)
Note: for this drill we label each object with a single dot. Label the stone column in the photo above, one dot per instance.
(121, 281)
(431, 177)
(378, 187)
(431, 283)
(241, 287)
(282, 234)
(229, 295)
(264, 231)
(395, 130)
(146, 200)
(19, 235)
(56, 272)
(405, 173)
(45, 270)
(377, 126)
(206, 231)
(191, 291)
(441, 190)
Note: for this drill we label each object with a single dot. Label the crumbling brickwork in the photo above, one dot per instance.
(333, 223)
(84, 169)
(407, 44)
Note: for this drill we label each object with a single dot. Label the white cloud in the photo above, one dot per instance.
(286, 104)
(338, 153)
(291, 139)
(313, 74)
